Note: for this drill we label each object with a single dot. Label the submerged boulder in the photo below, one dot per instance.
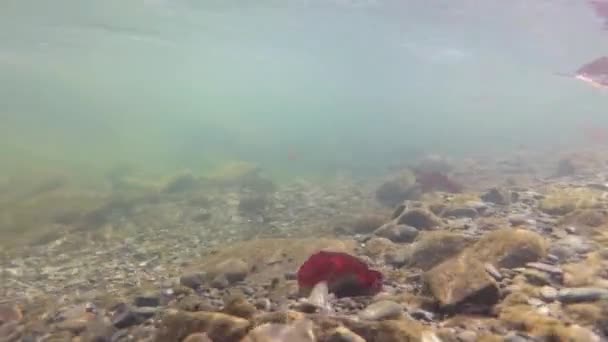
(460, 280)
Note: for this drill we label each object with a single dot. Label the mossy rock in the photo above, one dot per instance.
(561, 201)
(509, 248)
(543, 326)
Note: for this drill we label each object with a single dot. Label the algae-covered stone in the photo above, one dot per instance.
(561, 201)
(462, 279)
(509, 248)
(177, 325)
(432, 248)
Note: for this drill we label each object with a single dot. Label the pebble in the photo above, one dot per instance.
(384, 309)
(548, 293)
(581, 294)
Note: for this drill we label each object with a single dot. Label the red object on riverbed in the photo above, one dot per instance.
(346, 275)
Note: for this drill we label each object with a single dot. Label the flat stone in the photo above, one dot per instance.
(384, 309)
(460, 212)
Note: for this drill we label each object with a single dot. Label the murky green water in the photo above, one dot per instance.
(299, 87)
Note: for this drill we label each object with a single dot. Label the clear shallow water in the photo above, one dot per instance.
(300, 87)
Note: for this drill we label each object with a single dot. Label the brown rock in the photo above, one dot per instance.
(220, 327)
(238, 306)
(509, 248)
(432, 248)
(462, 279)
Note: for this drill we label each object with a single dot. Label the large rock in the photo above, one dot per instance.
(460, 280)
(177, 325)
(464, 279)
(434, 247)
